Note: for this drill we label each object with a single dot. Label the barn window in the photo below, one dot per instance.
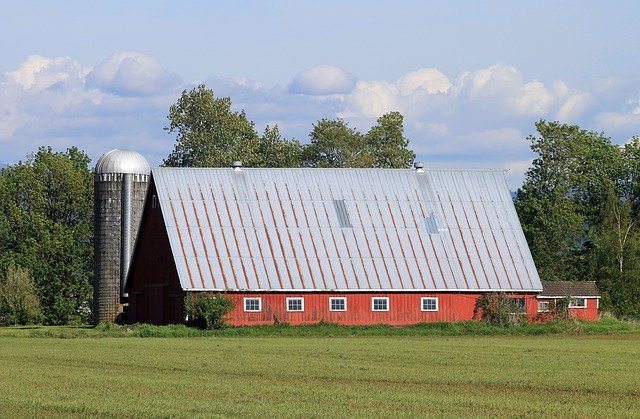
(380, 304)
(578, 303)
(154, 201)
(253, 304)
(543, 306)
(517, 305)
(429, 304)
(295, 304)
(337, 304)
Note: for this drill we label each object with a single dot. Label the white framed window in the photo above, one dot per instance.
(337, 304)
(578, 303)
(253, 304)
(429, 304)
(543, 306)
(380, 304)
(295, 304)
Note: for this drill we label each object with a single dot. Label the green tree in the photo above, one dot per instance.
(46, 226)
(275, 151)
(208, 311)
(335, 144)
(387, 143)
(209, 133)
(561, 199)
(19, 303)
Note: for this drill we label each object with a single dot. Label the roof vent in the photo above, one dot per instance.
(419, 167)
(237, 166)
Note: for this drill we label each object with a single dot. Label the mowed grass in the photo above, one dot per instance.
(416, 376)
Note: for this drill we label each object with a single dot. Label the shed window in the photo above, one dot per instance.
(578, 303)
(429, 304)
(380, 304)
(543, 306)
(337, 304)
(253, 304)
(295, 304)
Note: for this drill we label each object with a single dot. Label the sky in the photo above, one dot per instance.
(470, 77)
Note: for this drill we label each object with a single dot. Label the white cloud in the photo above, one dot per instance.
(322, 80)
(130, 73)
(574, 106)
(372, 99)
(430, 80)
(479, 118)
(502, 86)
(38, 73)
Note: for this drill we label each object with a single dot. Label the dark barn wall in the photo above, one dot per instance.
(155, 294)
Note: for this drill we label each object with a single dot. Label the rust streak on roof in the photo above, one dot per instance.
(201, 237)
(213, 237)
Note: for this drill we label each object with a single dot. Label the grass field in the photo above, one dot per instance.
(533, 376)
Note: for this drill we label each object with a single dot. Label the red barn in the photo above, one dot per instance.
(583, 296)
(350, 246)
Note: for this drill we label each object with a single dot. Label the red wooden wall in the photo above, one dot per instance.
(404, 308)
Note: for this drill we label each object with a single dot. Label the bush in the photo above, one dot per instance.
(208, 311)
(499, 309)
(19, 302)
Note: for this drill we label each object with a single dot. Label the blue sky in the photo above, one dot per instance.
(470, 77)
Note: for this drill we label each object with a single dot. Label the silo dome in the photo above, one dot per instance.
(122, 161)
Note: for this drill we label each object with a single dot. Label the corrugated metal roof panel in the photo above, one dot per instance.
(344, 229)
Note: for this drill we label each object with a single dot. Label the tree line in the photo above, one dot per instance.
(210, 134)
(579, 205)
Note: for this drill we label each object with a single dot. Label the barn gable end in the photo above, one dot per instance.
(155, 294)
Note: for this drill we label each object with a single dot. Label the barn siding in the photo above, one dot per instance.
(404, 308)
(155, 295)
(589, 313)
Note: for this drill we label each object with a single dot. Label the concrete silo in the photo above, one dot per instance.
(121, 182)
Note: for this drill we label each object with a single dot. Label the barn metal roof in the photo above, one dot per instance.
(344, 230)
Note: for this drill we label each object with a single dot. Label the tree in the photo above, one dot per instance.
(46, 226)
(208, 311)
(275, 151)
(387, 143)
(335, 144)
(580, 210)
(209, 133)
(19, 303)
(561, 199)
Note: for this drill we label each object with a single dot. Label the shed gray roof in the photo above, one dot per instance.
(561, 289)
(344, 229)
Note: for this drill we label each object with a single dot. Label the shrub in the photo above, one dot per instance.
(19, 303)
(208, 311)
(499, 309)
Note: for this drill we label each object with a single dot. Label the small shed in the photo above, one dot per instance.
(584, 298)
(349, 246)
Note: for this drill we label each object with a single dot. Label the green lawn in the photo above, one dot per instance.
(533, 376)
